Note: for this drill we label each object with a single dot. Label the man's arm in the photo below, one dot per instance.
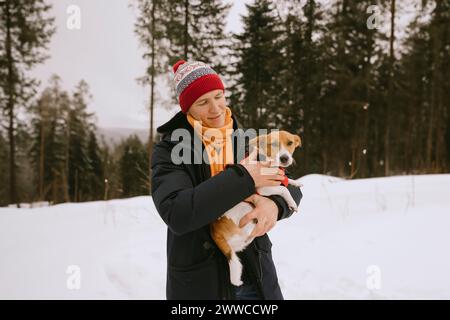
(185, 207)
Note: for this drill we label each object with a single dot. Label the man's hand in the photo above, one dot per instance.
(266, 213)
(262, 173)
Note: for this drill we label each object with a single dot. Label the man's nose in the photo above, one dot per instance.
(215, 106)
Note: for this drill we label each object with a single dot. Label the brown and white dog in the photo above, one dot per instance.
(277, 147)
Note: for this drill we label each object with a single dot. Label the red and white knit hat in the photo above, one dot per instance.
(192, 80)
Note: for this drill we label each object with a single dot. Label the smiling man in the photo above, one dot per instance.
(190, 196)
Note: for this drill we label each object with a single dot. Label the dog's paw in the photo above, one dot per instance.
(292, 205)
(296, 184)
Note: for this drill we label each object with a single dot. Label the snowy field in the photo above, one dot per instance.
(380, 238)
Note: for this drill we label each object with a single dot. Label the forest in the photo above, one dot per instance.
(368, 99)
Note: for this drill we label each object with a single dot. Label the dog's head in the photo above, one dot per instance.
(277, 147)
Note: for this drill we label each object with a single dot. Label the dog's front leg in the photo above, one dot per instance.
(294, 183)
(281, 191)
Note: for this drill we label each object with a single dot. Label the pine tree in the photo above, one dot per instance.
(25, 31)
(256, 96)
(96, 183)
(111, 181)
(439, 31)
(151, 31)
(25, 187)
(390, 99)
(424, 90)
(112, 160)
(195, 30)
(3, 170)
(208, 32)
(132, 167)
(78, 128)
(302, 77)
(48, 148)
(347, 102)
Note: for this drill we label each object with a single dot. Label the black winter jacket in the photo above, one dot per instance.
(188, 200)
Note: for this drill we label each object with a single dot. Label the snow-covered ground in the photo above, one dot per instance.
(381, 238)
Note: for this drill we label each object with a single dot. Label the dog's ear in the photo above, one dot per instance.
(298, 141)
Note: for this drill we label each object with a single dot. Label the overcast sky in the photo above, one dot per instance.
(105, 52)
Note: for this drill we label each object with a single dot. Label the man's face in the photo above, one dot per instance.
(210, 109)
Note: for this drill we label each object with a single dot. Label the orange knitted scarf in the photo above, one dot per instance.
(214, 140)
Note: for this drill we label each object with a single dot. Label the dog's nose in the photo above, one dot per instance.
(284, 159)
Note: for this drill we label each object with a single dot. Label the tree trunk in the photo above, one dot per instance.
(10, 107)
(105, 196)
(66, 160)
(54, 187)
(391, 92)
(436, 129)
(41, 157)
(364, 137)
(64, 185)
(186, 28)
(75, 197)
(152, 98)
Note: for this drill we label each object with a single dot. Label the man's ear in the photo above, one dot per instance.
(297, 141)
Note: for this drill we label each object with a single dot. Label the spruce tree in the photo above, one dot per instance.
(347, 102)
(79, 120)
(302, 77)
(151, 30)
(424, 90)
(25, 32)
(439, 31)
(195, 30)
(96, 183)
(48, 147)
(3, 170)
(256, 96)
(132, 168)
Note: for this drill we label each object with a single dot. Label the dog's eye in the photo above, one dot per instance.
(289, 143)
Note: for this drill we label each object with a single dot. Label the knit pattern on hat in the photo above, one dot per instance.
(192, 80)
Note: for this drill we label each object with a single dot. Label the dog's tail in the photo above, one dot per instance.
(235, 269)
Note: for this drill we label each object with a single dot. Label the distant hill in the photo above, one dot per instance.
(113, 136)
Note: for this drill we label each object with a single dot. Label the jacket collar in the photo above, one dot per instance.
(179, 120)
(174, 123)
